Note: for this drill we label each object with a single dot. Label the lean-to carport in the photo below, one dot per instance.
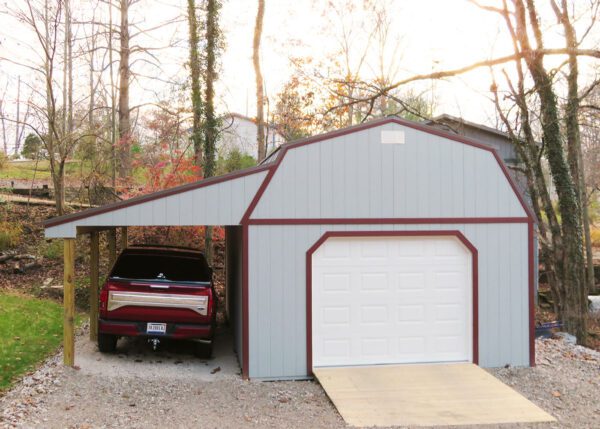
(217, 201)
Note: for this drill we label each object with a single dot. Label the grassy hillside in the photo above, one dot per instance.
(30, 330)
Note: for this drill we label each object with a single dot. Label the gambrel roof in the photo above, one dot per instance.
(236, 198)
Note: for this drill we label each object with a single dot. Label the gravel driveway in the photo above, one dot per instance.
(138, 388)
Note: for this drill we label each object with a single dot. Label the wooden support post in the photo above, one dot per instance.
(69, 302)
(123, 237)
(94, 283)
(112, 247)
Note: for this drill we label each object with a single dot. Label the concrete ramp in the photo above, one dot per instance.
(425, 395)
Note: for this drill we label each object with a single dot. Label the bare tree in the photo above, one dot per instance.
(260, 93)
(3, 122)
(124, 75)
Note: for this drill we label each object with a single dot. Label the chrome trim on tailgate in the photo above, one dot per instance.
(199, 304)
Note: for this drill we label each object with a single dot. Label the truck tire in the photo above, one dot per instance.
(203, 349)
(107, 343)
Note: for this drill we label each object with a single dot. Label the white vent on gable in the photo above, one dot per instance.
(392, 137)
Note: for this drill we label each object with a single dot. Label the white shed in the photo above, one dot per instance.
(386, 242)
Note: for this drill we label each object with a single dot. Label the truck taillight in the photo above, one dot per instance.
(103, 301)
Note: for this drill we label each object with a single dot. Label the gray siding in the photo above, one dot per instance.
(277, 292)
(222, 203)
(355, 176)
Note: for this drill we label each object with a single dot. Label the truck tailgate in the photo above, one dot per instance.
(160, 303)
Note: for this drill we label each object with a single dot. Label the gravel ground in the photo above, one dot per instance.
(138, 388)
(565, 383)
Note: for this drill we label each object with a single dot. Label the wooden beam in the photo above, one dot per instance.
(69, 302)
(123, 237)
(112, 247)
(94, 283)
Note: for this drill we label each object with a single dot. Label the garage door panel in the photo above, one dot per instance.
(447, 344)
(372, 251)
(391, 300)
(442, 329)
(375, 347)
(336, 282)
(338, 348)
(447, 296)
(336, 316)
(410, 313)
(448, 279)
(410, 281)
(448, 312)
(374, 315)
(374, 281)
(415, 346)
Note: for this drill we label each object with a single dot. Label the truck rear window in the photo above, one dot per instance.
(172, 268)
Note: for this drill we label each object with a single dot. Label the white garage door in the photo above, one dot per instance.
(384, 300)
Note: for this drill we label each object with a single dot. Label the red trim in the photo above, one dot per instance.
(245, 314)
(387, 221)
(263, 186)
(329, 234)
(375, 123)
(154, 196)
(531, 273)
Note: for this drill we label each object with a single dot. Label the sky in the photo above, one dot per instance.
(430, 34)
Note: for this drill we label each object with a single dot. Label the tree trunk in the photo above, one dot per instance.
(575, 309)
(18, 117)
(124, 113)
(211, 124)
(113, 104)
(5, 140)
(51, 135)
(58, 180)
(69, 70)
(260, 93)
(195, 81)
(91, 90)
(574, 152)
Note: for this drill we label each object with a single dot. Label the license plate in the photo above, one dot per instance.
(156, 328)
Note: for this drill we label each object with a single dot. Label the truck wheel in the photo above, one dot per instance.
(203, 349)
(107, 343)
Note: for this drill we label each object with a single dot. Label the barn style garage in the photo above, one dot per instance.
(387, 242)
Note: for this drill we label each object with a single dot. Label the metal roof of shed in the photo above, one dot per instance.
(269, 166)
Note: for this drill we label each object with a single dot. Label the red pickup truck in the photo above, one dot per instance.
(158, 292)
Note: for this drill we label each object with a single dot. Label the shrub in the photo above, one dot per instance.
(3, 160)
(595, 232)
(10, 234)
(234, 161)
(31, 146)
(53, 249)
(82, 293)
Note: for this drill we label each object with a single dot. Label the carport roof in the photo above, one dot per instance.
(153, 196)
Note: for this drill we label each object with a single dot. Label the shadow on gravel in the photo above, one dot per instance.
(172, 359)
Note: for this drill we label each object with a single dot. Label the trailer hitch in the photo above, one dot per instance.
(155, 342)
